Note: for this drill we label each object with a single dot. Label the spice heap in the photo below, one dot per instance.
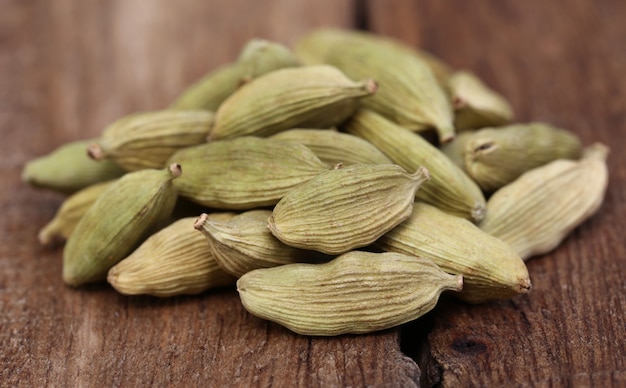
(319, 189)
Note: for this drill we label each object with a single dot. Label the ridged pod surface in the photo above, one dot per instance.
(475, 104)
(148, 139)
(408, 94)
(539, 209)
(173, 261)
(358, 292)
(346, 208)
(117, 223)
(245, 172)
(68, 169)
(70, 212)
(491, 269)
(244, 243)
(335, 147)
(497, 156)
(307, 97)
(257, 57)
(449, 188)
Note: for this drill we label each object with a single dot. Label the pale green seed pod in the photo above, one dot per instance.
(497, 156)
(335, 147)
(244, 173)
(408, 92)
(148, 139)
(244, 243)
(358, 292)
(260, 56)
(307, 97)
(256, 58)
(346, 208)
(475, 104)
(455, 149)
(211, 90)
(449, 188)
(316, 45)
(491, 269)
(117, 223)
(68, 169)
(440, 69)
(539, 209)
(70, 212)
(173, 261)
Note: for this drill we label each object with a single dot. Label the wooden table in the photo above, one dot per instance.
(69, 67)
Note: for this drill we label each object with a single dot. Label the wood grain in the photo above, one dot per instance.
(69, 67)
(563, 65)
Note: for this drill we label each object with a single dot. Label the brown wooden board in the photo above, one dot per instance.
(70, 67)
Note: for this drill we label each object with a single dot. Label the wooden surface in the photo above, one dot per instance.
(69, 67)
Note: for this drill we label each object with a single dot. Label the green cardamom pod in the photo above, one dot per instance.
(534, 213)
(244, 243)
(148, 139)
(307, 97)
(335, 147)
(491, 269)
(256, 58)
(497, 156)
(346, 208)
(244, 173)
(315, 46)
(260, 56)
(358, 292)
(173, 261)
(408, 92)
(455, 149)
(449, 188)
(68, 169)
(70, 212)
(476, 105)
(117, 222)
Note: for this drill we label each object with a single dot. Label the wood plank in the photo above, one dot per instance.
(70, 67)
(563, 64)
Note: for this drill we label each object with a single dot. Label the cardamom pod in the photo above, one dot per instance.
(148, 139)
(68, 169)
(335, 147)
(534, 213)
(475, 104)
(244, 243)
(313, 49)
(440, 69)
(358, 292)
(491, 269)
(449, 188)
(497, 156)
(408, 94)
(70, 212)
(257, 57)
(455, 149)
(346, 208)
(173, 261)
(260, 56)
(244, 173)
(117, 222)
(310, 96)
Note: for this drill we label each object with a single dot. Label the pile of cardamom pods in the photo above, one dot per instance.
(342, 185)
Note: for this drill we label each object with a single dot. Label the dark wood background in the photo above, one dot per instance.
(69, 67)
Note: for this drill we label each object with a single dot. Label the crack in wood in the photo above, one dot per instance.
(361, 15)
